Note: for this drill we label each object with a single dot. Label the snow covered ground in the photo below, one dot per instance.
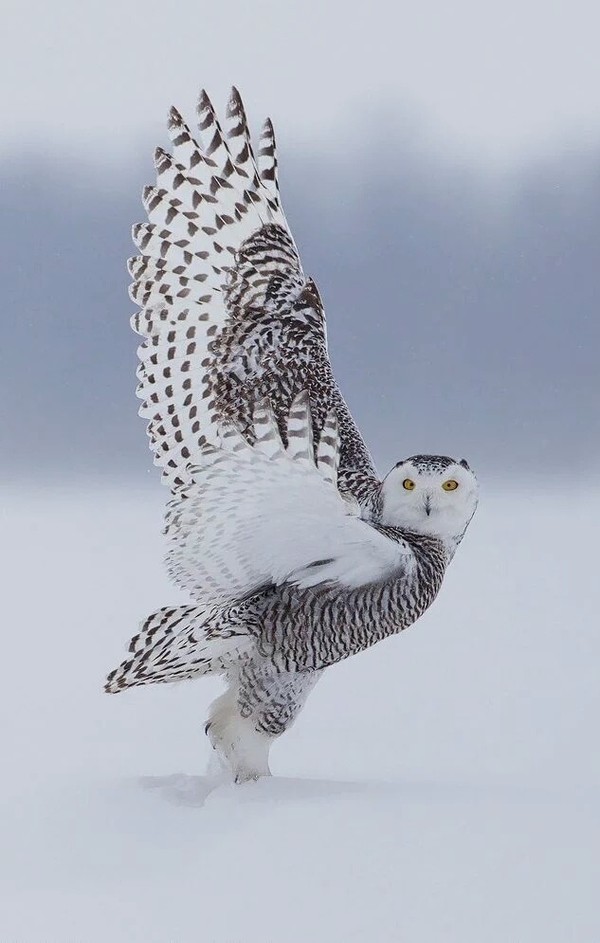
(441, 787)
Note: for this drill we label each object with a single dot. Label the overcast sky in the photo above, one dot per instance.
(495, 80)
(441, 172)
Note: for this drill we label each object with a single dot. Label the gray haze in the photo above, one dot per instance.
(499, 79)
(462, 312)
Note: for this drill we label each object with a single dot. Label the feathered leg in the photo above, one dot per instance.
(240, 748)
(260, 704)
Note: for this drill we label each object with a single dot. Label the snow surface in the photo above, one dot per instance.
(443, 786)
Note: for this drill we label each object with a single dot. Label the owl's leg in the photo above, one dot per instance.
(260, 704)
(239, 747)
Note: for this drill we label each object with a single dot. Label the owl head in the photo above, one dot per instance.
(430, 494)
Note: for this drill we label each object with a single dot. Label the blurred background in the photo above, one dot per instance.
(440, 168)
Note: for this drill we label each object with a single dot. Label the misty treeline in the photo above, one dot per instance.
(462, 307)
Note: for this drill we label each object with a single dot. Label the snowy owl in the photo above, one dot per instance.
(293, 552)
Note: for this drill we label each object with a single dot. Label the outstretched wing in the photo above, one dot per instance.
(227, 313)
(260, 515)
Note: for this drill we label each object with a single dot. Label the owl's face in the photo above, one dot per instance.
(430, 494)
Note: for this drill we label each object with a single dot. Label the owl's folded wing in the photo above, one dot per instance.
(259, 515)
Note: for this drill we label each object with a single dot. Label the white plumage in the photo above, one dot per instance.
(294, 552)
(230, 528)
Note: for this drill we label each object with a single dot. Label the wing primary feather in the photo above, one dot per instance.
(216, 147)
(239, 141)
(266, 430)
(186, 149)
(231, 438)
(328, 449)
(299, 430)
(267, 159)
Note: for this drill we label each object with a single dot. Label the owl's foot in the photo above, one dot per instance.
(239, 748)
(249, 776)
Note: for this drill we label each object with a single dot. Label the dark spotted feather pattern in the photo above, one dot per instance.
(277, 525)
(227, 314)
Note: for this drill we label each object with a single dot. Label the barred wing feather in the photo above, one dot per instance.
(227, 315)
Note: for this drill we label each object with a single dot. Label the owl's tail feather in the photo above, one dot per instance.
(179, 643)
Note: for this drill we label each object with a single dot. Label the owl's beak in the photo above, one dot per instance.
(427, 506)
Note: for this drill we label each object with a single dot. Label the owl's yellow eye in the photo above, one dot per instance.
(450, 485)
(408, 483)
